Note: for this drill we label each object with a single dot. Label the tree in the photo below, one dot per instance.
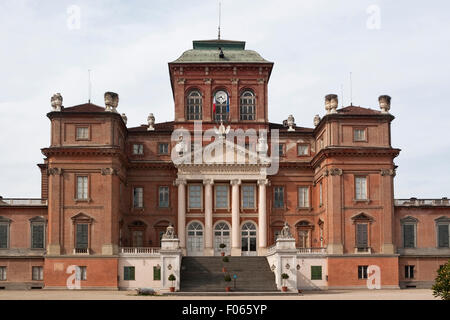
(441, 286)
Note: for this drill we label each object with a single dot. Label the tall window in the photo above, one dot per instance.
(37, 273)
(320, 194)
(4, 234)
(303, 149)
(409, 272)
(221, 196)
(82, 236)
(37, 235)
(362, 235)
(303, 197)
(163, 197)
(361, 188)
(82, 133)
(443, 235)
(247, 106)
(138, 148)
(138, 197)
(362, 272)
(2, 273)
(221, 106)
(194, 105)
(409, 233)
(248, 197)
(82, 187)
(279, 197)
(157, 273)
(195, 196)
(359, 134)
(128, 273)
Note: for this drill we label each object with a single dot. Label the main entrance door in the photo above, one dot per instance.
(248, 233)
(222, 235)
(194, 239)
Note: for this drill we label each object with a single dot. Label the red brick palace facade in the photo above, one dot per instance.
(107, 187)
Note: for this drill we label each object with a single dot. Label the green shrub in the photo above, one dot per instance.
(441, 286)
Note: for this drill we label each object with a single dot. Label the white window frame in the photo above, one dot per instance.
(189, 196)
(227, 188)
(303, 196)
(83, 187)
(243, 201)
(3, 273)
(82, 133)
(303, 145)
(138, 149)
(39, 273)
(359, 188)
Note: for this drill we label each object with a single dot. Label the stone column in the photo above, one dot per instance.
(262, 216)
(209, 249)
(181, 183)
(235, 221)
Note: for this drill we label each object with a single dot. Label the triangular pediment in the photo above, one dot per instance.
(82, 217)
(362, 216)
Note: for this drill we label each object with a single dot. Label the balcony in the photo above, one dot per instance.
(414, 202)
(22, 202)
(363, 250)
(81, 251)
(136, 251)
(311, 250)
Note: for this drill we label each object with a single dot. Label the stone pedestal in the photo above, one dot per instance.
(170, 254)
(283, 259)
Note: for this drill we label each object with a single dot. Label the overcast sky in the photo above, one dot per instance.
(399, 48)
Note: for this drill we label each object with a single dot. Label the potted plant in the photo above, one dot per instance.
(172, 278)
(225, 259)
(222, 246)
(284, 276)
(227, 278)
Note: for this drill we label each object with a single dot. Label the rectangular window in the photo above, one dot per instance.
(303, 150)
(320, 194)
(163, 197)
(443, 235)
(221, 196)
(4, 230)
(138, 197)
(409, 235)
(37, 235)
(281, 149)
(82, 133)
(37, 273)
(128, 273)
(138, 149)
(362, 272)
(279, 197)
(316, 272)
(82, 236)
(361, 188)
(163, 148)
(248, 197)
(81, 273)
(361, 235)
(82, 187)
(359, 134)
(156, 273)
(303, 197)
(195, 196)
(2, 273)
(409, 272)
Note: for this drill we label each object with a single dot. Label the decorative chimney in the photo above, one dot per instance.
(385, 103)
(316, 120)
(56, 101)
(151, 122)
(124, 118)
(291, 122)
(111, 101)
(331, 103)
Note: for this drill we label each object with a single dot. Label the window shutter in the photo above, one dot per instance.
(408, 236)
(38, 236)
(361, 235)
(82, 236)
(316, 272)
(156, 273)
(3, 236)
(443, 235)
(131, 273)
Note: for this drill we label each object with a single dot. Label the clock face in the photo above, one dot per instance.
(221, 97)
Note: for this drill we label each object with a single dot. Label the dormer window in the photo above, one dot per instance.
(194, 105)
(247, 106)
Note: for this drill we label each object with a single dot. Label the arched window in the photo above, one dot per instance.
(194, 105)
(247, 106)
(221, 106)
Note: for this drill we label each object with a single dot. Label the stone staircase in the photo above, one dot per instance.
(204, 274)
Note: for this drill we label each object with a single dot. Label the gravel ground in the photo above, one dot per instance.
(409, 294)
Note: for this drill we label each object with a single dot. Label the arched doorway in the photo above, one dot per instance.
(222, 235)
(194, 239)
(248, 239)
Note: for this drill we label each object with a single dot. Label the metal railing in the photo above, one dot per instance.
(422, 202)
(23, 202)
(81, 251)
(140, 250)
(311, 250)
